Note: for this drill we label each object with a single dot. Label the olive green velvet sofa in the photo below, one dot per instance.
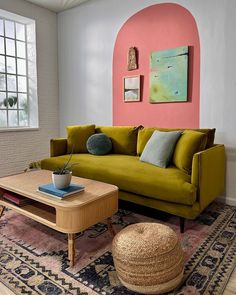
(176, 190)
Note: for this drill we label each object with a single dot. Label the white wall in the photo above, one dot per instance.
(86, 40)
(18, 149)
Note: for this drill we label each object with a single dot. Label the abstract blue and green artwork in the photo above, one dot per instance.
(169, 75)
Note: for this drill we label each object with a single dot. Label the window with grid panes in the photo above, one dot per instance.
(14, 90)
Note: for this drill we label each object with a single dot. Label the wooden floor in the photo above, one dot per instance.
(4, 290)
(230, 289)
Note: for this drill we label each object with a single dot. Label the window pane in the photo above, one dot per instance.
(11, 65)
(9, 29)
(20, 32)
(3, 103)
(11, 83)
(23, 118)
(2, 63)
(12, 100)
(2, 82)
(20, 49)
(3, 118)
(10, 47)
(21, 67)
(1, 27)
(22, 84)
(22, 101)
(2, 49)
(14, 65)
(12, 118)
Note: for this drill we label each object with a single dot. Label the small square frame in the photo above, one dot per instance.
(131, 89)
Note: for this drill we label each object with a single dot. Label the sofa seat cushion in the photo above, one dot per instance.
(131, 175)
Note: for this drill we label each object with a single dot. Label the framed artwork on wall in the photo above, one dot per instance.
(131, 88)
(169, 75)
(132, 59)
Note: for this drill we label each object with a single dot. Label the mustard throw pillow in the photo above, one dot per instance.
(124, 138)
(189, 143)
(77, 137)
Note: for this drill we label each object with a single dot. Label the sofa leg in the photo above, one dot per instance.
(182, 221)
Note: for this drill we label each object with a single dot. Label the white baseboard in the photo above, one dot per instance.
(228, 201)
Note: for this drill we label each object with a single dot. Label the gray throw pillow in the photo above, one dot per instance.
(160, 147)
(99, 144)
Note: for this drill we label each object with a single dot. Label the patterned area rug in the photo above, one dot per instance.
(33, 257)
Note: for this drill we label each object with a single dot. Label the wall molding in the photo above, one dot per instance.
(231, 154)
(227, 201)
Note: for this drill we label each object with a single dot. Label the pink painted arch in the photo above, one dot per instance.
(157, 27)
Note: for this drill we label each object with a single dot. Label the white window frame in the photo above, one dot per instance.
(31, 70)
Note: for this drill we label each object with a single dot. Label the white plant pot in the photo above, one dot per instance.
(61, 181)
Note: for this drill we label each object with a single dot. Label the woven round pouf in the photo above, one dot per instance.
(148, 258)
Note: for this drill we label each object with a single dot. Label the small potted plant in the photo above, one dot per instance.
(61, 177)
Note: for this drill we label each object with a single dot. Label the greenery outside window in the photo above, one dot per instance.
(18, 79)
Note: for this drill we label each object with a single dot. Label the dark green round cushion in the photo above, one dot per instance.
(99, 144)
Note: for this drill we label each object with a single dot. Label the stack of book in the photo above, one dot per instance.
(50, 190)
(16, 199)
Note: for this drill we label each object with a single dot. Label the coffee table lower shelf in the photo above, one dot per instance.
(47, 215)
(37, 211)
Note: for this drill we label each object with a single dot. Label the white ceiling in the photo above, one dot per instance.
(57, 5)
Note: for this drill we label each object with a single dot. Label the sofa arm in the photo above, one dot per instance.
(208, 174)
(58, 147)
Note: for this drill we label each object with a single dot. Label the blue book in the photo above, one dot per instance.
(49, 189)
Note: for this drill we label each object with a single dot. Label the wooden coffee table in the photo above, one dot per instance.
(74, 214)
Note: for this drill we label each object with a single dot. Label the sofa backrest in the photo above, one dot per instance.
(128, 140)
(145, 134)
(124, 138)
